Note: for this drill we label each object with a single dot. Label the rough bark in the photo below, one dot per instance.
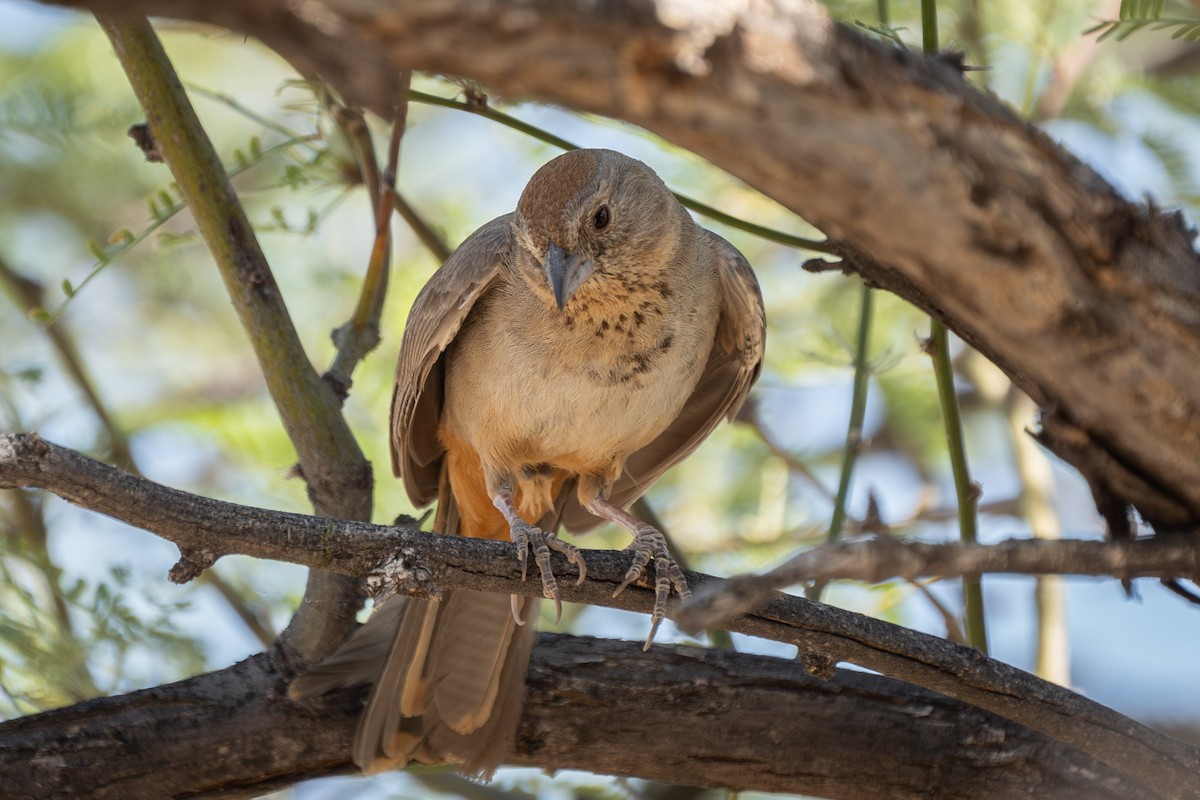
(760, 719)
(931, 188)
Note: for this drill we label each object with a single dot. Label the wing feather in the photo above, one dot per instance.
(436, 317)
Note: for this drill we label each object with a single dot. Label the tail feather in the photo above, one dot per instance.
(449, 673)
(358, 660)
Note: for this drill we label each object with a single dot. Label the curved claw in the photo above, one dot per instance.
(581, 565)
(649, 544)
(653, 630)
(571, 552)
(528, 537)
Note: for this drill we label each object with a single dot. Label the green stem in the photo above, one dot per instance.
(967, 493)
(484, 110)
(338, 475)
(929, 27)
(858, 410)
(939, 349)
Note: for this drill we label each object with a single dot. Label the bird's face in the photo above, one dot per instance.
(593, 215)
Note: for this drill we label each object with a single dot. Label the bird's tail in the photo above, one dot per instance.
(449, 673)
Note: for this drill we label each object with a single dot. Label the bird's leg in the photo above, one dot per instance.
(530, 537)
(648, 543)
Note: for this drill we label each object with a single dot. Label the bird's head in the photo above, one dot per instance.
(594, 215)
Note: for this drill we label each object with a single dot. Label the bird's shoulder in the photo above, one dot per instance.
(742, 326)
(435, 319)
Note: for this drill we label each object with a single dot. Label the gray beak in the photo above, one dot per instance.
(566, 273)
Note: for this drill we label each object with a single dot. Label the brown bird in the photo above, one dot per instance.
(560, 361)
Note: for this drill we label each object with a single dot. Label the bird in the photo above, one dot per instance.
(564, 357)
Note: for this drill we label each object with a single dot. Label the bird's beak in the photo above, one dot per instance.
(566, 272)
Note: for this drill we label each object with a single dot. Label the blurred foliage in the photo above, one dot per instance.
(84, 607)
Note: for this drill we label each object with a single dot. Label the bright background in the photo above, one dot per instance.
(85, 608)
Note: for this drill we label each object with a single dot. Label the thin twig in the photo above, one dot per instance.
(1053, 656)
(426, 234)
(966, 492)
(360, 334)
(939, 350)
(749, 415)
(478, 105)
(858, 409)
(884, 558)
(29, 295)
(1067, 68)
(953, 630)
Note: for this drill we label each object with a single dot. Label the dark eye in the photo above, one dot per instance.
(601, 219)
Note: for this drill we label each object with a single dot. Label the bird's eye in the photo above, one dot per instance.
(602, 218)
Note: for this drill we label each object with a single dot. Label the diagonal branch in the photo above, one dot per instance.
(338, 476)
(430, 563)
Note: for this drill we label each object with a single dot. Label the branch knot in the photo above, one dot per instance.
(192, 562)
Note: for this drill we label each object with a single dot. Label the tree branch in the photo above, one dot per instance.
(359, 335)
(879, 559)
(337, 474)
(863, 736)
(429, 563)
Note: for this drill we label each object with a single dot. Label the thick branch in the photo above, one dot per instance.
(852, 736)
(431, 562)
(877, 560)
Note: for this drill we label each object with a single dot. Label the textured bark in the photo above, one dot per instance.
(676, 714)
(931, 188)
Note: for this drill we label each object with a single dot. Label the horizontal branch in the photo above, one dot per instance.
(852, 736)
(209, 528)
(879, 559)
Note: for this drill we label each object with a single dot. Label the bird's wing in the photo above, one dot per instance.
(733, 365)
(435, 319)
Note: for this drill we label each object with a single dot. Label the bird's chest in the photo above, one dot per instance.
(580, 389)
